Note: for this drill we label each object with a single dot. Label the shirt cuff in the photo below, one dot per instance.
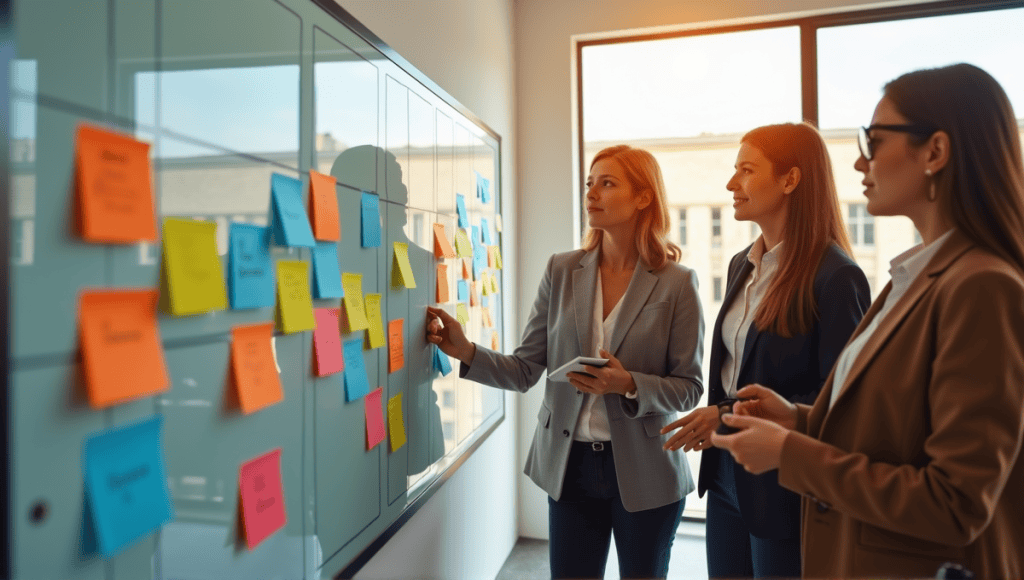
(632, 395)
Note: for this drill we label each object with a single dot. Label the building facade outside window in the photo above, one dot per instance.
(860, 225)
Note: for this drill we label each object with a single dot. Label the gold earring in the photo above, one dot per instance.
(932, 195)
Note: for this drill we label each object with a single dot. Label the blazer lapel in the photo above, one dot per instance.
(632, 302)
(952, 249)
(584, 283)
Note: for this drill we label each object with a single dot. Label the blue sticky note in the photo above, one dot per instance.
(326, 273)
(291, 224)
(485, 229)
(463, 291)
(125, 485)
(357, 384)
(479, 260)
(250, 269)
(476, 236)
(485, 193)
(460, 207)
(485, 301)
(370, 209)
(441, 362)
(479, 184)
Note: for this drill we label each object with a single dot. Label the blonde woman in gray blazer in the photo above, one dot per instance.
(597, 450)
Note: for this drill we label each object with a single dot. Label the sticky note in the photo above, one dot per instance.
(326, 273)
(254, 367)
(485, 287)
(396, 345)
(494, 284)
(370, 209)
(484, 300)
(475, 238)
(484, 185)
(463, 290)
(294, 302)
(250, 269)
(375, 332)
(323, 204)
(479, 261)
(114, 185)
(495, 343)
(479, 189)
(463, 247)
(401, 269)
(466, 274)
(442, 284)
(441, 362)
(497, 222)
(442, 247)
(355, 312)
(126, 485)
(192, 267)
(486, 312)
(290, 222)
(374, 418)
(122, 357)
(497, 258)
(460, 208)
(474, 293)
(485, 231)
(357, 384)
(396, 424)
(327, 342)
(262, 497)
(462, 313)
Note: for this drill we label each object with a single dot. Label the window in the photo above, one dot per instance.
(716, 227)
(448, 399)
(717, 288)
(861, 225)
(682, 226)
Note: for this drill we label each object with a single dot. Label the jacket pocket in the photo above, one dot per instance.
(653, 424)
(544, 416)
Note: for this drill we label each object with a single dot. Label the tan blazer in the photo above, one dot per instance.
(918, 462)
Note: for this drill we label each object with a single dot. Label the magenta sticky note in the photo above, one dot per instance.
(374, 418)
(259, 481)
(327, 342)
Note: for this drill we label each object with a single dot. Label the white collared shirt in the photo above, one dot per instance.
(592, 424)
(739, 317)
(904, 269)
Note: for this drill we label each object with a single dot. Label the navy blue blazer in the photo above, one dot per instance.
(796, 368)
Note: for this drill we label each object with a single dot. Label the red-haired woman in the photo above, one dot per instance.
(597, 448)
(792, 300)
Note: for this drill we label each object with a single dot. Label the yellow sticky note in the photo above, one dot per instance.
(462, 313)
(401, 269)
(497, 222)
(485, 286)
(442, 247)
(487, 317)
(355, 312)
(463, 248)
(495, 342)
(375, 333)
(494, 284)
(195, 279)
(396, 424)
(442, 284)
(497, 257)
(293, 299)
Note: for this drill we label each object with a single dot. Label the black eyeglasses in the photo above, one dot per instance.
(867, 144)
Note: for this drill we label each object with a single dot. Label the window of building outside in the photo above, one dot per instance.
(860, 225)
(682, 226)
(717, 290)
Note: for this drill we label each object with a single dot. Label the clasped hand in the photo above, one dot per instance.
(764, 419)
(611, 378)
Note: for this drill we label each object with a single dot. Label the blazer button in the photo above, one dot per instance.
(822, 507)
(565, 432)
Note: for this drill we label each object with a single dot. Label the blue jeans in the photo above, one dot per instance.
(589, 511)
(733, 552)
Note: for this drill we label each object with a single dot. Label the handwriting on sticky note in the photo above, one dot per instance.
(442, 284)
(118, 331)
(323, 202)
(396, 345)
(192, 267)
(375, 332)
(294, 300)
(251, 271)
(252, 361)
(114, 187)
(355, 311)
(396, 422)
(374, 418)
(442, 247)
(327, 342)
(263, 509)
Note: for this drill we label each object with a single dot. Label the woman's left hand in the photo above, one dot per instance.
(611, 378)
(758, 445)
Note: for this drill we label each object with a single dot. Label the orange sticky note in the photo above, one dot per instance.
(122, 357)
(262, 497)
(495, 343)
(396, 345)
(466, 273)
(323, 204)
(442, 247)
(474, 293)
(487, 317)
(442, 284)
(491, 261)
(114, 187)
(252, 360)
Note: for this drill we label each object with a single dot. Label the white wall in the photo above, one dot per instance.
(544, 77)
(468, 528)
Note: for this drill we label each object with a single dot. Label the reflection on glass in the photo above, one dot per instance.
(445, 165)
(421, 153)
(396, 138)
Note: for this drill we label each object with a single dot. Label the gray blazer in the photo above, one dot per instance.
(659, 338)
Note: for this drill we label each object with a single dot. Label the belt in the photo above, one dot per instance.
(595, 446)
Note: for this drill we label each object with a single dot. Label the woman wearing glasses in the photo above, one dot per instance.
(910, 457)
(792, 300)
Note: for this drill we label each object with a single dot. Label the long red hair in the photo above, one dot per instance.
(643, 173)
(813, 223)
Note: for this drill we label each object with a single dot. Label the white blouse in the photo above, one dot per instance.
(904, 269)
(592, 424)
(739, 317)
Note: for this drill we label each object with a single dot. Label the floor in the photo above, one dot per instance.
(529, 558)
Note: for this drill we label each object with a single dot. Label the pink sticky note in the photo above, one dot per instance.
(327, 342)
(374, 418)
(259, 482)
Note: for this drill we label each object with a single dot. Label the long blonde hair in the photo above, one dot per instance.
(643, 173)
